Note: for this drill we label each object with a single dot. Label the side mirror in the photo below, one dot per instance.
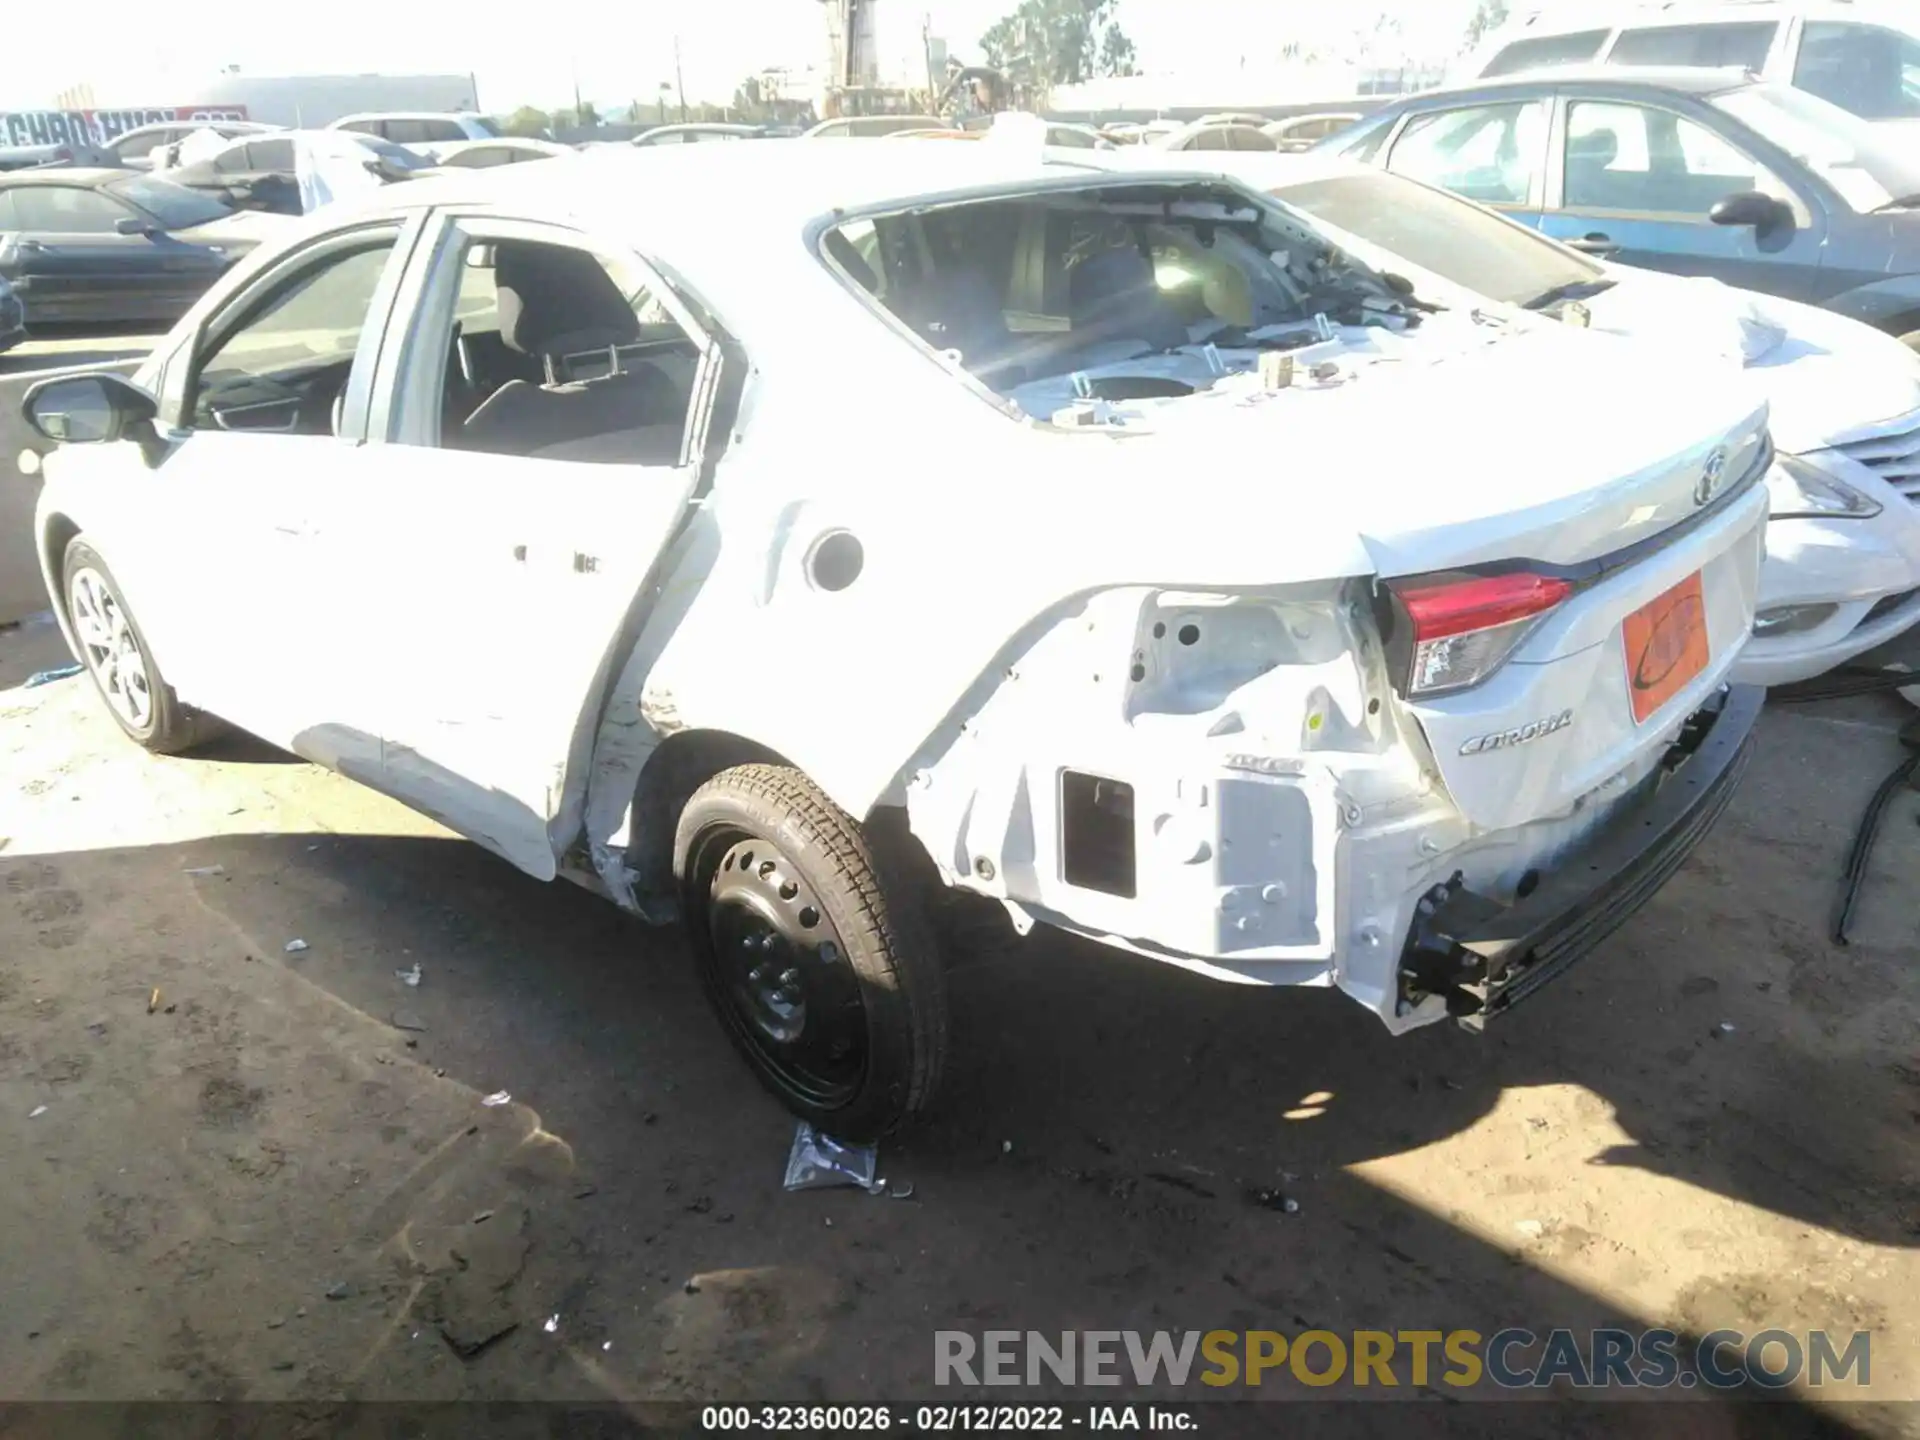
(1750, 207)
(132, 225)
(86, 409)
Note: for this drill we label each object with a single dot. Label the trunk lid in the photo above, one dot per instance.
(1508, 445)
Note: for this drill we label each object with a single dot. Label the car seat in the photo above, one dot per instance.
(555, 302)
(1589, 181)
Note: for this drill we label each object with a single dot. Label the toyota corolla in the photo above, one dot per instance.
(1280, 625)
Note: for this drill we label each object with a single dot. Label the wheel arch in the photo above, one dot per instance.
(57, 532)
(679, 765)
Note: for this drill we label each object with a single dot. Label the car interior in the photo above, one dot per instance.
(1486, 153)
(283, 368)
(1670, 166)
(550, 359)
(1024, 290)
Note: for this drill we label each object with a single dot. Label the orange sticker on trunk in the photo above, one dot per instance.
(1666, 641)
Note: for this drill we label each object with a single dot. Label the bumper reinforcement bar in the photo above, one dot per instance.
(1486, 957)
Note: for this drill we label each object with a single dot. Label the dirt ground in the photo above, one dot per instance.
(279, 1178)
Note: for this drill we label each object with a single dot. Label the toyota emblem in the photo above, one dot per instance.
(1710, 474)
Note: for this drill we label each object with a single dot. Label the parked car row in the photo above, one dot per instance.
(1423, 723)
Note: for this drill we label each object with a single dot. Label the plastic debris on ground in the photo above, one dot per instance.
(818, 1161)
(409, 977)
(294, 947)
(553, 1324)
(499, 1097)
(47, 677)
(36, 1112)
(206, 870)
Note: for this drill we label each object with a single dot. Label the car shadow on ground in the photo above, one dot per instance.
(1094, 1163)
(1114, 1148)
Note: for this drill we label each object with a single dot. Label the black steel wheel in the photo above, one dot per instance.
(823, 975)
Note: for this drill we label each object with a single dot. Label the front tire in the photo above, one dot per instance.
(118, 659)
(823, 973)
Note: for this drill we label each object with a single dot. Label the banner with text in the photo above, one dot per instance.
(97, 127)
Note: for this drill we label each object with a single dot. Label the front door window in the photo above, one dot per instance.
(1489, 153)
(285, 367)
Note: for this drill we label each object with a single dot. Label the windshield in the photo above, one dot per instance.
(1843, 150)
(174, 206)
(483, 125)
(1431, 229)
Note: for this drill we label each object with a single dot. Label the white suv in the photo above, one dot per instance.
(427, 132)
(1865, 58)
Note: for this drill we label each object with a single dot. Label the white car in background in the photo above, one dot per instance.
(150, 147)
(506, 150)
(426, 132)
(1175, 639)
(1842, 574)
(1862, 55)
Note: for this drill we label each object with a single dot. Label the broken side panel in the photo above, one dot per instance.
(1171, 771)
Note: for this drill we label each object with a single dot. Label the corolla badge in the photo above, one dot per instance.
(1520, 735)
(1710, 473)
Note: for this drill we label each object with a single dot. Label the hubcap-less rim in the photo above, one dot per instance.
(112, 654)
(783, 973)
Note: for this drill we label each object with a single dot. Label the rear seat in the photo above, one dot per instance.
(555, 302)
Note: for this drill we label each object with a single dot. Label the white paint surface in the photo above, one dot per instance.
(416, 617)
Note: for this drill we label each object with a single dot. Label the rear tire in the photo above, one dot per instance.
(118, 659)
(823, 971)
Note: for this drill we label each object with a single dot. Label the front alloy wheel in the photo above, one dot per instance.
(106, 640)
(109, 642)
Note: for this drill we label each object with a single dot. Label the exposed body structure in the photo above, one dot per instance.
(1054, 507)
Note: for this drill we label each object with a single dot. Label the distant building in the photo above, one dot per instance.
(877, 55)
(298, 100)
(1272, 89)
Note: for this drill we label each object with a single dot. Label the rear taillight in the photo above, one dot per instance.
(1459, 630)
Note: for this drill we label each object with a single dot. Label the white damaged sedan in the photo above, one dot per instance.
(1275, 625)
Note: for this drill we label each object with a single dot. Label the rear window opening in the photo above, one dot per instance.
(1028, 288)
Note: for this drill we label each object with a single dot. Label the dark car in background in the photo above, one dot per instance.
(114, 245)
(1697, 172)
(13, 317)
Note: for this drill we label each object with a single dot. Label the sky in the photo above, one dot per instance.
(616, 52)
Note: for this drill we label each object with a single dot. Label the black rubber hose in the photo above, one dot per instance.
(1848, 680)
(1863, 839)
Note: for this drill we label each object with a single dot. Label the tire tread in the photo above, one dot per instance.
(896, 935)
